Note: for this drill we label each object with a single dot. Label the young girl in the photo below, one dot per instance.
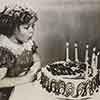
(19, 59)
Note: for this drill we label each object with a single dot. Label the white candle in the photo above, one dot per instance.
(86, 54)
(76, 52)
(96, 62)
(67, 51)
(93, 63)
(93, 57)
(86, 60)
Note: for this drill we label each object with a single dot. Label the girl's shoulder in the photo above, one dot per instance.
(6, 43)
(5, 46)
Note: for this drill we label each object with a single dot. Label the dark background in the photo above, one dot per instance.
(67, 20)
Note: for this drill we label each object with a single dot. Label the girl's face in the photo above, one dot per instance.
(25, 32)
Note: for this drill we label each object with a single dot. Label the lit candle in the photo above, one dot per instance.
(86, 54)
(86, 60)
(96, 62)
(93, 57)
(76, 52)
(67, 52)
(93, 63)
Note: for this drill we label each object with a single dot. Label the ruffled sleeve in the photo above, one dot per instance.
(17, 64)
(7, 58)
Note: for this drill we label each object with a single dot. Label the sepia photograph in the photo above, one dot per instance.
(49, 49)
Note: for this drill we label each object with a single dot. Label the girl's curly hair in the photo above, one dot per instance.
(12, 17)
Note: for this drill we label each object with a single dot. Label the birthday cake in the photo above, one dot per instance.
(72, 79)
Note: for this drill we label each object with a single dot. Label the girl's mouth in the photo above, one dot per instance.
(30, 38)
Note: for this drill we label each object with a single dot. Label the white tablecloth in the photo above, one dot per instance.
(33, 91)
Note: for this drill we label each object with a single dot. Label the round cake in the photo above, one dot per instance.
(71, 79)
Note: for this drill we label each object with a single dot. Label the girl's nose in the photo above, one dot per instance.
(31, 29)
(31, 32)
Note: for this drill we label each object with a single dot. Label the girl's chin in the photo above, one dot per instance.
(30, 38)
(27, 40)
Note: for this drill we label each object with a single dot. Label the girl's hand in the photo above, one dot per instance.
(28, 45)
(3, 72)
(37, 75)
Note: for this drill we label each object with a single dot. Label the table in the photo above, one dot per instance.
(34, 91)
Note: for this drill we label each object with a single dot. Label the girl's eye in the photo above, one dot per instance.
(26, 27)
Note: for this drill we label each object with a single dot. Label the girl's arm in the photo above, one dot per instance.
(37, 64)
(29, 77)
(13, 81)
(36, 68)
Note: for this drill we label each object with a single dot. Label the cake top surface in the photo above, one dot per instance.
(67, 70)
